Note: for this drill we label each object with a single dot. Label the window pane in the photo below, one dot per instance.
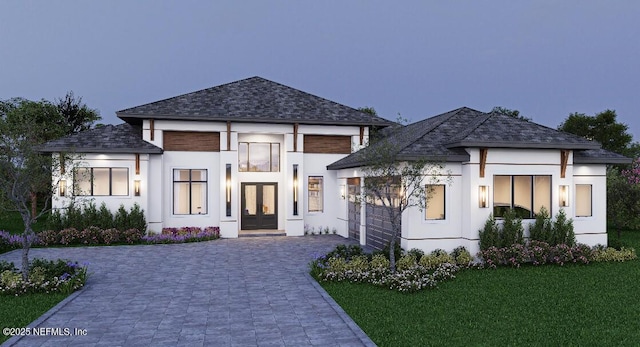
(181, 175)
(542, 193)
(100, 181)
(82, 181)
(198, 197)
(251, 200)
(315, 194)
(119, 181)
(268, 200)
(181, 198)
(259, 157)
(243, 156)
(522, 196)
(436, 202)
(501, 195)
(275, 157)
(199, 175)
(583, 200)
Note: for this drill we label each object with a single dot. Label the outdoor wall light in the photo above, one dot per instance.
(295, 189)
(63, 187)
(136, 187)
(564, 196)
(342, 192)
(483, 193)
(228, 188)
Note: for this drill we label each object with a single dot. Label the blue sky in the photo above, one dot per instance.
(417, 58)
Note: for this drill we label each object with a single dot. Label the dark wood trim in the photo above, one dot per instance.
(192, 141)
(361, 135)
(564, 160)
(295, 137)
(62, 168)
(483, 160)
(228, 135)
(151, 129)
(354, 181)
(137, 163)
(333, 144)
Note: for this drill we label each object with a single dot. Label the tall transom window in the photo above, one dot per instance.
(258, 157)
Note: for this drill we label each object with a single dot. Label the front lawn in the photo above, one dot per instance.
(597, 304)
(19, 311)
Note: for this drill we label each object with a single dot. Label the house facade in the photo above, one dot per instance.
(258, 155)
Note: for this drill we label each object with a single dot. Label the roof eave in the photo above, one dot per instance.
(434, 158)
(102, 150)
(600, 160)
(208, 118)
(524, 145)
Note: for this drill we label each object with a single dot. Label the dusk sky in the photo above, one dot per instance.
(546, 59)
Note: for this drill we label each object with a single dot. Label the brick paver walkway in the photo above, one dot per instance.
(233, 292)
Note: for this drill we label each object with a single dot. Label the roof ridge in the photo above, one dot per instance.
(445, 117)
(471, 127)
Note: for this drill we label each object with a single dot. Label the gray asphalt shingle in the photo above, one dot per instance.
(444, 137)
(253, 99)
(121, 138)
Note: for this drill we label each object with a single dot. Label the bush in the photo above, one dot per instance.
(489, 234)
(90, 215)
(541, 229)
(611, 254)
(512, 229)
(462, 256)
(105, 217)
(121, 219)
(562, 230)
(406, 262)
(137, 219)
(417, 253)
(45, 276)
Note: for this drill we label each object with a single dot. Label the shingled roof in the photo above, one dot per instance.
(121, 138)
(254, 100)
(444, 137)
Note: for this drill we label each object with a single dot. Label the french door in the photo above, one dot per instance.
(259, 206)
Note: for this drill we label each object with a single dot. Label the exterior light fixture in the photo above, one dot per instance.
(483, 199)
(136, 187)
(228, 188)
(564, 196)
(342, 192)
(295, 189)
(62, 189)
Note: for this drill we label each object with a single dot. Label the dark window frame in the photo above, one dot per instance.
(532, 214)
(91, 177)
(189, 190)
(247, 160)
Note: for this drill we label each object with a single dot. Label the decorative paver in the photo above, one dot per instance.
(229, 292)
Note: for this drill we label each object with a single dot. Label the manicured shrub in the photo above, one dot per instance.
(406, 262)
(541, 229)
(90, 236)
(416, 252)
(512, 230)
(121, 219)
(461, 256)
(90, 215)
(611, 254)
(105, 217)
(45, 276)
(73, 217)
(489, 234)
(137, 219)
(55, 220)
(562, 230)
(110, 236)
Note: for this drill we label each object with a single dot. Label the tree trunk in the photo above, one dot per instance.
(392, 253)
(34, 204)
(26, 245)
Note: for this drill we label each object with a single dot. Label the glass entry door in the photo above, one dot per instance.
(259, 206)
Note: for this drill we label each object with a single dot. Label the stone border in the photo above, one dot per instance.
(343, 315)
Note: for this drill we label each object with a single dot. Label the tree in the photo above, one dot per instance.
(396, 185)
(603, 127)
(75, 115)
(24, 170)
(623, 198)
(508, 112)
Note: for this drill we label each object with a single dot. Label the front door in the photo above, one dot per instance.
(259, 206)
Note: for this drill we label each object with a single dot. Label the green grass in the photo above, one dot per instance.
(12, 222)
(597, 304)
(19, 311)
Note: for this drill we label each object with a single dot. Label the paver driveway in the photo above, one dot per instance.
(244, 292)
